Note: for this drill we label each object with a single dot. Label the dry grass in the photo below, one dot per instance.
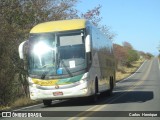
(124, 72)
(24, 101)
(5, 107)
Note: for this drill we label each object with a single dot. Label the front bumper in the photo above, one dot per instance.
(80, 90)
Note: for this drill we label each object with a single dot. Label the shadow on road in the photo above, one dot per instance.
(129, 80)
(133, 97)
(116, 98)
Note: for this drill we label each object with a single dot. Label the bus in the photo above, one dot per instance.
(68, 59)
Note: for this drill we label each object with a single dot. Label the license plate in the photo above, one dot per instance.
(57, 93)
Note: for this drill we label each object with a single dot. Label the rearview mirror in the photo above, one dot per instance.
(22, 48)
(88, 43)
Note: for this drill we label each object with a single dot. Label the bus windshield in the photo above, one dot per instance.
(56, 54)
(42, 50)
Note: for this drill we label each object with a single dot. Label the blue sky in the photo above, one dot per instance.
(134, 21)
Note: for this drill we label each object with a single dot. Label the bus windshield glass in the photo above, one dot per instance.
(71, 53)
(42, 50)
(56, 54)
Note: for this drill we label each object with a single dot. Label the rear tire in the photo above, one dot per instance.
(47, 102)
(110, 92)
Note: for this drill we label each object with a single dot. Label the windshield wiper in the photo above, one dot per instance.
(61, 61)
(44, 74)
(66, 68)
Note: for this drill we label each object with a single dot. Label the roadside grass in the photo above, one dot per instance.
(123, 71)
(24, 101)
(5, 107)
(20, 102)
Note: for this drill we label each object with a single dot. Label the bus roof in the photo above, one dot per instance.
(62, 25)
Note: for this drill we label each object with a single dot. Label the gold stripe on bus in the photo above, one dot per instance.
(62, 25)
(45, 82)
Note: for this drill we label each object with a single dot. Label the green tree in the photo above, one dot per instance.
(132, 56)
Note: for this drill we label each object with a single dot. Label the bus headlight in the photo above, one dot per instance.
(83, 79)
(31, 83)
(85, 90)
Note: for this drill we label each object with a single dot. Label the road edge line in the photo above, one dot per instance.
(158, 63)
(23, 108)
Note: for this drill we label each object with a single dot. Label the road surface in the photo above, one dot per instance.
(140, 92)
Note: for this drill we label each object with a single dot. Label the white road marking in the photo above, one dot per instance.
(158, 64)
(33, 106)
(27, 107)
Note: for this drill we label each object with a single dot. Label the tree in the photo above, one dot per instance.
(149, 55)
(93, 15)
(132, 56)
(142, 54)
(125, 54)
(120, 54)
(127, 45)
(107, 31)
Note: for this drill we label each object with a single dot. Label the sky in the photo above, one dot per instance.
(134, 21)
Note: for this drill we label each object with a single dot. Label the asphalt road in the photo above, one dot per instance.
(135, 95)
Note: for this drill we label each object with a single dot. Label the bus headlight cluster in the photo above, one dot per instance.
(31, 83)
(85, 90)
(83, 81)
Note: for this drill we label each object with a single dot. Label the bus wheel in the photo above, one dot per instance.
(47, 102)
(111, 86)
(94, 97)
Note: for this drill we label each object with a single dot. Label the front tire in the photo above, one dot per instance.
(94, 98)
(47, 102)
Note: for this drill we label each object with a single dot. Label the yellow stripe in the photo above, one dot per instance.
(45, 82)
(61, 25)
